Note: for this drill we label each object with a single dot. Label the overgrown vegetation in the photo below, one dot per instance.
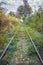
(9, 25)
(30, 51)
(35, 21)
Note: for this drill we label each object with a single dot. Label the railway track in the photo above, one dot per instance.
(6, 48)
(39, 56)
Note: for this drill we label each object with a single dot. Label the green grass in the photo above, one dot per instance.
(4, 40)
(30, 51)
(38, 39)
(12, 48)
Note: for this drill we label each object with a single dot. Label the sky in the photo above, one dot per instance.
(12, 5)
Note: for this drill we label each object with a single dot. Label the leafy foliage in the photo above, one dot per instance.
(21, 11)
(35, 21)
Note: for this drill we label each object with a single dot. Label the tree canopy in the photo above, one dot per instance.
(22, 10)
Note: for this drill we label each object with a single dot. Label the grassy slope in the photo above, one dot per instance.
(5, 38)
(37, 38)
(35, 21)
(29, 51)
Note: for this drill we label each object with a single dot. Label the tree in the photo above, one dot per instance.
(3, 20)
(40, 9)
(21, 11)
(12, 13)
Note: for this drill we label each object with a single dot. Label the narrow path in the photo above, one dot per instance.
(18, 55)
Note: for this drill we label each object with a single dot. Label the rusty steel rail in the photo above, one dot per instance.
(6, 48)
(35, 48)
